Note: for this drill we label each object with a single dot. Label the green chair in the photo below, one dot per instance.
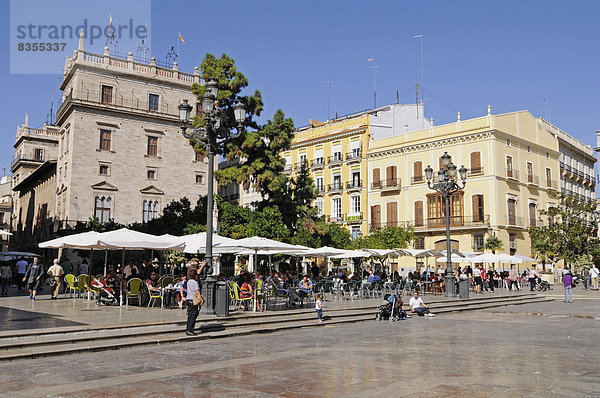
(70, 284)
(237, 296)
(82, 283)
(133, 290)
(155, 295)
(166, 281)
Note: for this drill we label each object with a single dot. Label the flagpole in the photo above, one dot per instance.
(178, 40)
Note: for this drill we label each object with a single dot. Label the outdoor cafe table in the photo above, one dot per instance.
(172, 289)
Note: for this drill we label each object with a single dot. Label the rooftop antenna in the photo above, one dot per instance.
(52, 109)
(329, 86)
(111, 40)
(547, 117)
(417, 97)
(374, 67)
(422, 83)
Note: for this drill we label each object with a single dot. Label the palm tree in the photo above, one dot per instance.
(493, 243)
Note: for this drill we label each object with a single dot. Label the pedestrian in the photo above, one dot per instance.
(491, 280)
(84, 268)
(478, 279)
(594, 275)
(513, 277)
(319, 307)
(533, 275)
(192, 310)
(21, 270)
(568, 282)
(5, 275)
(55, 272)
(586, 278)
(33, 276)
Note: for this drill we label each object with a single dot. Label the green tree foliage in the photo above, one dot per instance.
(303, 194)
(386, 238)
(571, 231)
(318, 233)
(230, 83)
(493, 243)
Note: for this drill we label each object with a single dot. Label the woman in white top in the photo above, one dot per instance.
(192, 310)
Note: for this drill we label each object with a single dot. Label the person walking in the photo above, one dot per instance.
(56, 272)
(586, 278)
(21, 270)
(5, 275)
(568, 282)
(33, 276)
(513, 277)
(594, 275)
(192, 310)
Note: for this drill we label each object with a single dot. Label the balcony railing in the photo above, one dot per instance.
(317, 162)
(455, 221)
(335, 159)
(335, 187)
(568, 168)
(298, 165)
(476, 171)
(287, 168)
(533, 180)
(28, 157)
(551, 184)
(512, 174)
(514, 221)
(320, 189)
(417, 179)
(354, 185)
(117, 100)
(562, 165)
(387, 185)
(353, 156)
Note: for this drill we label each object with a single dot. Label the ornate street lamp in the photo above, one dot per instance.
(447, 183)
(210, 137)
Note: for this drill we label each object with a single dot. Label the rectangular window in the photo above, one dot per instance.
(105, 138)
(103, 170)
(319, 184)
(336, 211)
(375, 217)
(107, 94)
(417, 172)
(478, 242)
(102, 205)
(436, 214)
(149, 210)
(478, 215)
(419, 243)
(392, 214)
(355, 231)
(356, 179)
(199, 179)
(199, 157)
(529, 172)
(153, 102)
(38, 154)
(419, 214)
(337, 181)
(512, 212)
(532, 215)
(509, 167)
(376, 179)
(548, 178)
(476, 168)
(152, 146)
(319, 206)
(355, 205)
(391, 175)
(151, 174)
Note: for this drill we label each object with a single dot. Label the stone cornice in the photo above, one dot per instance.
(433, 144)
(328, 138)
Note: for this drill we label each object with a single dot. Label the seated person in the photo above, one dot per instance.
(373, 277)
(152, 284)
(305, 286)
(418, 306)
(247, 291)
(181, 291)
(112, 280)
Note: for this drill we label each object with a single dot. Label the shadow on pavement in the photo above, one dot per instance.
(15, 319)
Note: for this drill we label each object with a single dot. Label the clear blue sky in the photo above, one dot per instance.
(509, 54)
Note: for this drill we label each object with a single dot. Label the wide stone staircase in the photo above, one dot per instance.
(27, 344)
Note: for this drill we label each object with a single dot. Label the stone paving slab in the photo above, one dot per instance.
(475, 354)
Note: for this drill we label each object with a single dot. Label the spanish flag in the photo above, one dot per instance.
(110, 20)
(181, 38)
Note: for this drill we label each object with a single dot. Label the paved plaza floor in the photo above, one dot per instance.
(534, 350)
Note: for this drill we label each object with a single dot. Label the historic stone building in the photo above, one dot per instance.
(119, 151)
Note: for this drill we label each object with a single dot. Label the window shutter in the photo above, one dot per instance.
(376, 178)
(418, 171)
(392, 214)
(419, 214)
(475, 163)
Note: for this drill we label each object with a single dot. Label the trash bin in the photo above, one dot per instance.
(221, 299)
(463, 288)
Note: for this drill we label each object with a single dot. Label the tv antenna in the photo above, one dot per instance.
(329, 86)
(374, 67)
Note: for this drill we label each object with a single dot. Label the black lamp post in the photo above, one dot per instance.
(447, 183)
(210, 136)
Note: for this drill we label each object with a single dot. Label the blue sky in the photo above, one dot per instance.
(509, 54)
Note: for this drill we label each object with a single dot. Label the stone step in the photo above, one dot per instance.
(213, 330)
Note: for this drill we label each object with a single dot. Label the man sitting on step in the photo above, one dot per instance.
(418, 306)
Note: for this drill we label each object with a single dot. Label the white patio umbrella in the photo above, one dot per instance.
(495, 258)
(524, 258)
(6, 233)
(455, 258)
(196, 243)
(354, 254)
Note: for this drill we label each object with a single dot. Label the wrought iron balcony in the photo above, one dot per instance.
(387, 185)
(512, 174)
(533, 180)
(514, 221)
(335, 187)
(551, 184)
(317, 163)
(417, 179)
(354, 156)
(354, 185)
(476, 171)
(337, 158)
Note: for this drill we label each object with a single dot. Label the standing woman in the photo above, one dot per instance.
(192, 310)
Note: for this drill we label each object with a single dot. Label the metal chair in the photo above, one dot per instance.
(133, 290)
(70, 284)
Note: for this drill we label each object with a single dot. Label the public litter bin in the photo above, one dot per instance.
(463, 288)
(221, 299)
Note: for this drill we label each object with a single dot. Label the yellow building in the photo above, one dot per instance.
(515, 162)
(335, 152)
